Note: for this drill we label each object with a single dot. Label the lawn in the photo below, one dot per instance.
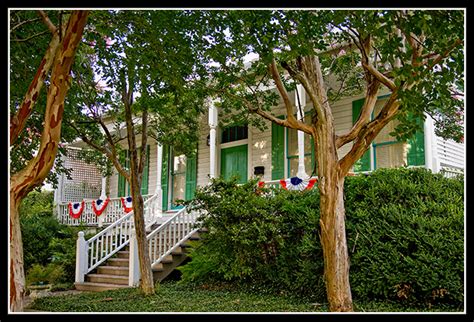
(174, 297)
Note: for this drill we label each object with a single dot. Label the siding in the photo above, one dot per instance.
(450, 153)
(262, 150)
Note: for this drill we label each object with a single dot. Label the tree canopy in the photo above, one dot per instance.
(419, 51)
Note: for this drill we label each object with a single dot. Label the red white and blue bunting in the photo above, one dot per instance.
(75, 209)
(127, 204)
(298, 184)
(99, 205)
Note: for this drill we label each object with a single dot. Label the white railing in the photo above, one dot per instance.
(169, 235)
(93, 252)
(112, 213)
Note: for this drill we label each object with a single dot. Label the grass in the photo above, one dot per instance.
(174, 297)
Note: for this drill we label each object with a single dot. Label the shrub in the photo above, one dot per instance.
(404, 230)
(267, 240)
(48, 246)
(39, 274)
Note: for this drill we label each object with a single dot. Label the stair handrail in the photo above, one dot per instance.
(176, 229)
(93, 252)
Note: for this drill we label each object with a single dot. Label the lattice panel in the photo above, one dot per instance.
(86, 180)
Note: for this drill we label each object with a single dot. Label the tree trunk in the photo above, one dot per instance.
(146, 274)
(17, 273)
(22, 182)
(332, 217)
(334, 244)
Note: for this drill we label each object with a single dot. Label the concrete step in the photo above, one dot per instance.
(168, 259)
(178, 251)
(107, 279)
(97, 287)
(113, 270)
(123, 254)
(124, 262)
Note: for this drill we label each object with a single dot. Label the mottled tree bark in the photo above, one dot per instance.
(22, 182)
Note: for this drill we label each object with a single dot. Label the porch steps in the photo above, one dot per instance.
(113, 274)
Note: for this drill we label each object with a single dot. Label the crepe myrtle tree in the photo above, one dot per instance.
(135, 82)
(416, 56)
(38, 146)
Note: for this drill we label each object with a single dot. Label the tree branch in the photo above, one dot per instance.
(22, 23)
(368, 133)
(17, 122)
(48, 23)
(282, 90)
(111, 154)
(31, 37)
(364, 117)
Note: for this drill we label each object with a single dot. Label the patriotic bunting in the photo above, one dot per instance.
(297, 184)
(75, 209)
(127, 204)
(99, 205)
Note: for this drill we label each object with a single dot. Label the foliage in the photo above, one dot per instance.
(38, 226)
(261, 240)
(176, 297)
(406, 236)
(429, 78)
(48, 246)
(404, 228)
(39, 274)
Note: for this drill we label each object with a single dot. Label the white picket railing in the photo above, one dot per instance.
(111, 214)
(169, 235)
(93, 252)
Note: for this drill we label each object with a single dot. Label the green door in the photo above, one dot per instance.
(234, 162)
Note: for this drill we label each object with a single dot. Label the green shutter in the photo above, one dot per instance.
(190, 178)
(121, 179)
(363, 164)
(416, 149)
(145, 175)
(278, 154)
(164, 176)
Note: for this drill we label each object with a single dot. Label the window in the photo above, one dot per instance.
(387, 152)
(234, 133)
(123, 186)
(179, 174)
(288, 150)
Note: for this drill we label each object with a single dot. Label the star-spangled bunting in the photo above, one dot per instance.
(127, 204)
(99, 205)
(297, 184)
(75, 209)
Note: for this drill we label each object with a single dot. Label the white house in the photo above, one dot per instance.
(274, 154)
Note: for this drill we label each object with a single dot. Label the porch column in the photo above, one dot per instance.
(103, 196)
(103, 192)
(159, 165)
(431, 157)
(212, 139)
(300, 98)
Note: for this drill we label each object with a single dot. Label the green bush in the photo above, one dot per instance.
(48, 246)
(262, 240)
(39, 274)
(404, 230)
